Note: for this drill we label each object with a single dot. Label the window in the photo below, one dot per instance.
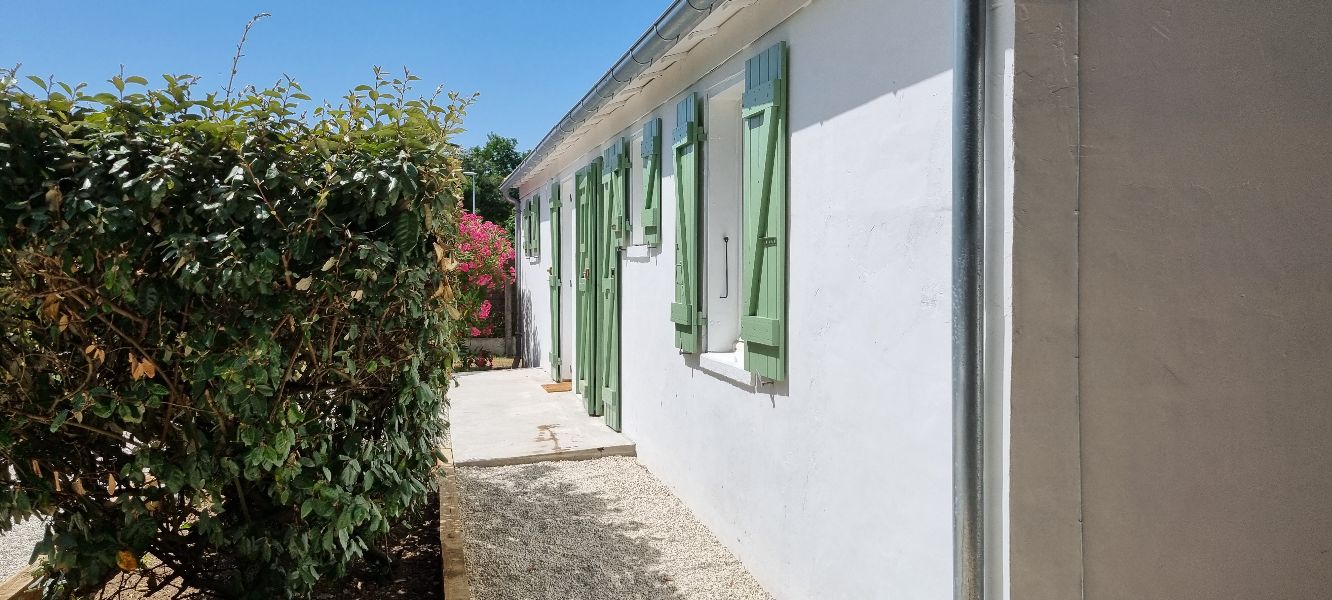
(636, 197)
(721, 218)
(731, 222)
(532, 229)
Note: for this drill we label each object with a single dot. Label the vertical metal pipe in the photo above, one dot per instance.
(520, 341)
(968, 299)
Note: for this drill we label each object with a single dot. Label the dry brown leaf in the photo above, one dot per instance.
(64, 323)
(149, 369)
(304, 283)
(110, 484)
(448, 263)
(127, 561)
(54, 199)
(77, 486)
(50, 307)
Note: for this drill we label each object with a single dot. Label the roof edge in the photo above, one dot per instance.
(680, 18)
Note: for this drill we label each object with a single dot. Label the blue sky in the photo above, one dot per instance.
(529, 59)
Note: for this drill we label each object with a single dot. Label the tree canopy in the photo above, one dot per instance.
(492, 162)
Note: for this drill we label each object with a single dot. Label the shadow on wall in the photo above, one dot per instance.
(919, 29)
(534, 536)
(530, 342)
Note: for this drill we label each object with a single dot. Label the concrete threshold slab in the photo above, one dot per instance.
(500, 418)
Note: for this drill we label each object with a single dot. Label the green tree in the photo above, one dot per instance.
(492, 162)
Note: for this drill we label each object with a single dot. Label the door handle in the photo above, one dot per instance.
(726, 267)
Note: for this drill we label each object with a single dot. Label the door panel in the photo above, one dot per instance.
(587, 182)
(612, 236)
(556, 366)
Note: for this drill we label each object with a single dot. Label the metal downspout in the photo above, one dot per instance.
(968, 299)
(520, 318)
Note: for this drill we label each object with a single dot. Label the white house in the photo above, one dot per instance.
(918, 299)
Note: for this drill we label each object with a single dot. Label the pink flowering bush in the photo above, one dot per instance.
(485, 262)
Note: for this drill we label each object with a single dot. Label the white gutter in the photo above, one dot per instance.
(680, 18)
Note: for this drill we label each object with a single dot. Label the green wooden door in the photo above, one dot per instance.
(614, 235)
(586, 184)
(555, 204)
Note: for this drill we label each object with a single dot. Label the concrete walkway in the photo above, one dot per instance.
(505, 418)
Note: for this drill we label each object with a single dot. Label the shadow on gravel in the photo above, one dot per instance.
(533, 536)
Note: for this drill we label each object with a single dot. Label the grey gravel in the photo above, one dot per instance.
(16, 546)
(594, 530)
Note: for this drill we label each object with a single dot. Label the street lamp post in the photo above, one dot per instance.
(472, 174)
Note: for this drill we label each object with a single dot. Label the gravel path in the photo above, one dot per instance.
(16, 546)
(595, 530)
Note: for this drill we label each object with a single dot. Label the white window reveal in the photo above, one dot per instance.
(635, 215)
(722, 216)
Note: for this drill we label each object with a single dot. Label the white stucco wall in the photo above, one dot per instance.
(837, 482)
(534, 287)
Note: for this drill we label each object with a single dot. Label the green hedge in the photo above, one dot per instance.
(227, 325)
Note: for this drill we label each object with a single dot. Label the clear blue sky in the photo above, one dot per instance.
(529, 59)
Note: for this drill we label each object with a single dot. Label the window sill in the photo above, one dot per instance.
(727, 365)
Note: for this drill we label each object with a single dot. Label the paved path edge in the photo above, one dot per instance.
(456, 586)
(16, 587)
(583, 454)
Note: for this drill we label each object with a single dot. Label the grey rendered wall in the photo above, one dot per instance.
(1172, 300)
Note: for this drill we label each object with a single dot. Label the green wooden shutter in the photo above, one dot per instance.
(536, 227)
(528, 227)
(555, 273)
(687, 142)
(615, 177)
(763, 287)
(651, 153)
(583, 320)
